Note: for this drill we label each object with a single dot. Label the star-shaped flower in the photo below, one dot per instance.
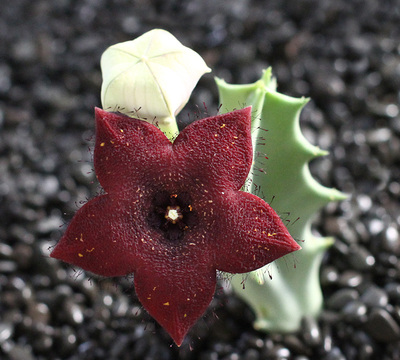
(173, 213)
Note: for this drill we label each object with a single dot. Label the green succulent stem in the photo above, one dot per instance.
(280, 174)
(168, 126)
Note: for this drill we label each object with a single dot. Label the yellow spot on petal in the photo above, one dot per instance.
(273, 234)
(190, 207)
(80, 255)
(185, 315)
(102, 144)
(215, 135)
(166, 303)
(154, 288)
(222, 126)
(87, 250)
(81, 238)
(121, 130)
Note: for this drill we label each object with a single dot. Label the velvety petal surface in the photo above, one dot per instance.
(176, 290)
(249, 233)
(100, 238)
(128, 151)
(217, 151)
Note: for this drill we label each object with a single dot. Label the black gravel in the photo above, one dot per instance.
(343, 54)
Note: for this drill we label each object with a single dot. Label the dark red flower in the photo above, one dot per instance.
(173, 214)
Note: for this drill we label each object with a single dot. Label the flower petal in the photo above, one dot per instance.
(98, 239)
(177, 288)
(126, 150)
(249, 233)
(217, 150)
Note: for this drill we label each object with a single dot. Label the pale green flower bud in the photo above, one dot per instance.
(150, 78)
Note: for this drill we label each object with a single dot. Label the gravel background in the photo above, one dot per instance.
(345, 55)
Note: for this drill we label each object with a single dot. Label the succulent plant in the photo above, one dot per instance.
(280, 174)
(172, 212)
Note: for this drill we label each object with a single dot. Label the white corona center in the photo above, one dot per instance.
(173, 214)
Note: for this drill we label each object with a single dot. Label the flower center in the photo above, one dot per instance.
(172, 214)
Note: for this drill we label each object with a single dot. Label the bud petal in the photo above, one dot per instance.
(150, 77)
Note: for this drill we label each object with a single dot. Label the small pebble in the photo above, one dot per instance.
(375, 297)
(251, 354)
(355, 311)
(310, 331)
(281, 353)
(341, 297)
(49, 224)
(67, 340)
(6, 251)
(73, 313)
(360, 258)
(393, 291)
(39, 312)
(6, 331)
(391, 240)
(376, 226)
(382, 327)
(350, 278)
(42, 343)
(329, 275)
(334, 354)
(20, 352)
(7, 266)
(296, 344)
